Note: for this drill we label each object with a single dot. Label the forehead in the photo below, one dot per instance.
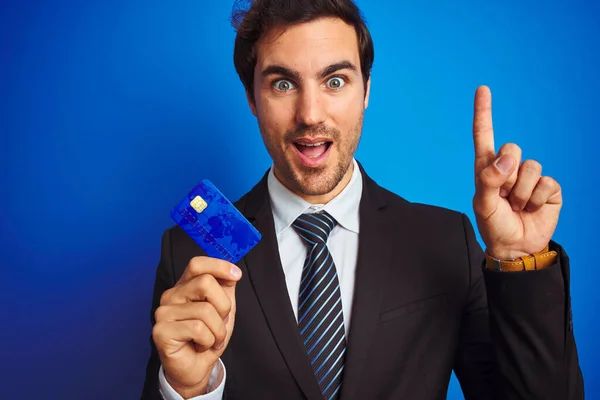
(309, 46)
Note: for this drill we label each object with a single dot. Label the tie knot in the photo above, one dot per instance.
(314, 228)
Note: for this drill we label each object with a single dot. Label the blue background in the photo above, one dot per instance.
(111, 110)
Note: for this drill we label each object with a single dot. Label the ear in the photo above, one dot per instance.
(251, 103)
(368, 92)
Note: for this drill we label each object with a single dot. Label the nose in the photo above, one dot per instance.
(311, 107)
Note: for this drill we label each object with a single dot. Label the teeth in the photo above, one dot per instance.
(312, 145)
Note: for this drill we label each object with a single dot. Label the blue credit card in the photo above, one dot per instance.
(215, 224)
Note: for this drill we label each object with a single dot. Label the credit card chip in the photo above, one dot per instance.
(198, 204)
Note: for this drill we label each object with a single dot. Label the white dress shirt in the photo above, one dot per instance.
(342, 243)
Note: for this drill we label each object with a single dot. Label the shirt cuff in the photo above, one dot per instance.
(214, 391)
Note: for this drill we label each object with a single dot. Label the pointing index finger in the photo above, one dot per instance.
(483, 130)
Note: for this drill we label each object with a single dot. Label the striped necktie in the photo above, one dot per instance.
(320, 317)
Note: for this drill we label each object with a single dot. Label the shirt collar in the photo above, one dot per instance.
(288, 206)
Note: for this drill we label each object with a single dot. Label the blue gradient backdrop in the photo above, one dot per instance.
(111, 110)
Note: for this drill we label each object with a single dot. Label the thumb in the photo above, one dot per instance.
(489, 182)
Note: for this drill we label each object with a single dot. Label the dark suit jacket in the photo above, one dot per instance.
(423, 306)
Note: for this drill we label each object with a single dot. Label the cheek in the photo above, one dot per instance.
(345, 112)
(275, 116)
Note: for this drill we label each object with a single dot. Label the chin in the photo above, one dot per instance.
(318, 181)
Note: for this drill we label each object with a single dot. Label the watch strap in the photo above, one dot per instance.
(541, 260)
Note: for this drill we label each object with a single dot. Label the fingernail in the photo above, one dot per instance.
(503, 192)
(219, 346)
(235, 272)
(504, 164)
(226, 320)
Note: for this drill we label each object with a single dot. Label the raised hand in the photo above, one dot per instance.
(194, 323)
(515, 206)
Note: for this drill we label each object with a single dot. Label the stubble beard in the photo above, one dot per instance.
(313, 181)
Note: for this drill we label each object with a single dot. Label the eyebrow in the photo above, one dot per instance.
(289, 73)
(336, 67)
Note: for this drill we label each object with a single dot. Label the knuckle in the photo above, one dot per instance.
(202, 333)
(164, 298)
(195, 265)
(157, 333)
(532, 165)
(205, 281)
(159, 314)
(510, 148)
(209, 339)
(198, 327)
(547, 182)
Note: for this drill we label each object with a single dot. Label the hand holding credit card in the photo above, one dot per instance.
(196, 316)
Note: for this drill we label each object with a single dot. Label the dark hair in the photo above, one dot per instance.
(253, 18)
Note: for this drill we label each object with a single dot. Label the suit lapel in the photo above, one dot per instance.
(374, 260)
(267, 277)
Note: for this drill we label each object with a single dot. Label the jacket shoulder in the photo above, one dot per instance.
(421, 211)
(446, 230)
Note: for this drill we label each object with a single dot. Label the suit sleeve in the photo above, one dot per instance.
(475, 361)
(532, 352)
(164, 280)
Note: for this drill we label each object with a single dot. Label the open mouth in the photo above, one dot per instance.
(313, 153)
(313, 150)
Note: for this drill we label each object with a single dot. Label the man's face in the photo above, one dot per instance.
(309, 99)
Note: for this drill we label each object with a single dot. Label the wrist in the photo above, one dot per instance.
(511, 254)
(188, 392)
(506, 255)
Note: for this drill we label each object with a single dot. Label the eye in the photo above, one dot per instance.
(335, 82)
(283, 85)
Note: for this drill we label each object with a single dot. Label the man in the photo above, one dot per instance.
(354, 292)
